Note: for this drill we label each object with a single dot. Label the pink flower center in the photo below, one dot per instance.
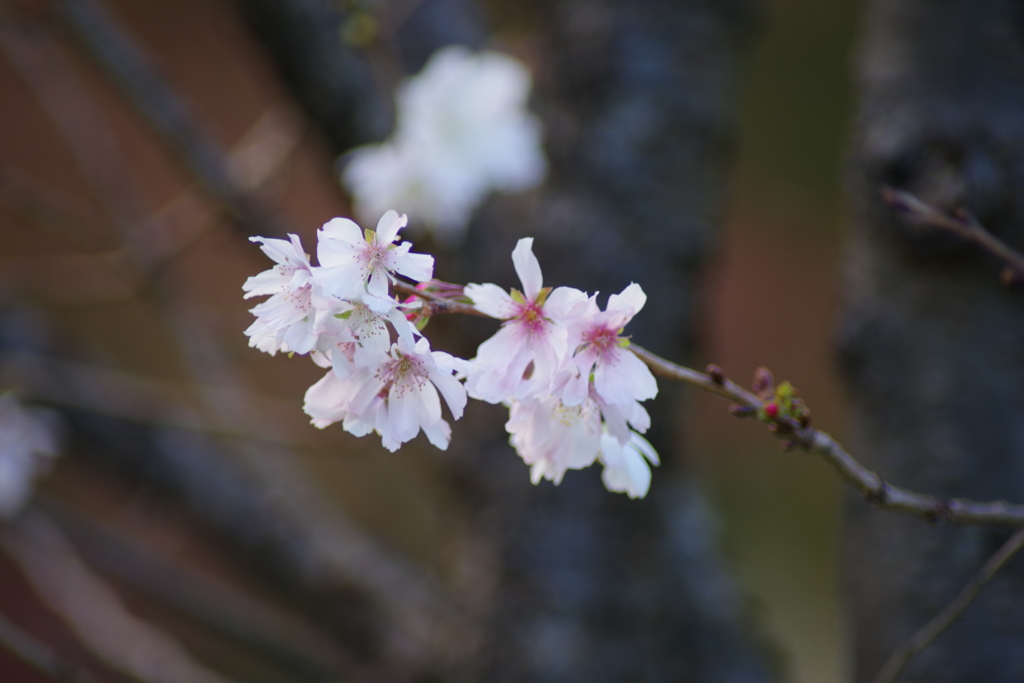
(403, 374)
(532, 318)
(374, 255)
(603, 340)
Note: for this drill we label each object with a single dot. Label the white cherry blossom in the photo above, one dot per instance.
(396, 399)
(291, 261)
(619, 418)
(285, 321)
(552, 437)
(355, 336)
(357, 265)
(558, 361)
(533, 339)
(625, 465)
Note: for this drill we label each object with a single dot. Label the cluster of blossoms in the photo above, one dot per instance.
(462, 130)
(558, 362)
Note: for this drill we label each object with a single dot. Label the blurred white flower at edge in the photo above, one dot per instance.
(462, 130)
(28, 444)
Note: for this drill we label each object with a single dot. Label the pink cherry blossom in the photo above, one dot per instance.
(352, 335)
(396, 399)
(360, 266)
(533, 339)
(619, 377)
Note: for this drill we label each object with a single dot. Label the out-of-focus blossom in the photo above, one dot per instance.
(533, 339)
(27, 446)
(462, 130)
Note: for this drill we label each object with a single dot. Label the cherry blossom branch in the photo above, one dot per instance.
(871, 486)
(963, 224)
(435, 304)
(797, 434)
(920, 640)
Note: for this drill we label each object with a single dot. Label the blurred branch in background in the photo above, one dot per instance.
(92, 608)
(963, 225)
(294, 645)
(944, 619)
(123, 62)
(104, 277)
(36, 653)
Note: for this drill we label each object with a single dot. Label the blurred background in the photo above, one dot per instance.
(780, 255)
(195, 527)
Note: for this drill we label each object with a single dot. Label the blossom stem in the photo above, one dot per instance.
(438, 304)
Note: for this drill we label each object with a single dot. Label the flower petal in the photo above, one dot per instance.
(452, 390)
(388, 226)
(491, 300)
(630, 301)
(402, 424)
(343, 234)
(439, 434)
(527, 268)
(418, 267)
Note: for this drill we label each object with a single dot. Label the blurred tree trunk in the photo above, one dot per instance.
(932, 346)
(574, 583)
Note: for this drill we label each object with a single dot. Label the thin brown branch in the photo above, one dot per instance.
(952, 611)
(963, 225)
(871, 486)
(438, 304)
